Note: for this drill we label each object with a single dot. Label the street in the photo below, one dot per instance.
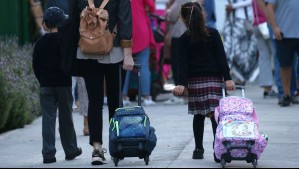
(22, 147)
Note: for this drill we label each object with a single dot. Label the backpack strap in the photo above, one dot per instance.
(104, 3)
(91, 3)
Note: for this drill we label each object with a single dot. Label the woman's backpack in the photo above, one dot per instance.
(95, 37)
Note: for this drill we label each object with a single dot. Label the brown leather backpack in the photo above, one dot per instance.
(95, 37)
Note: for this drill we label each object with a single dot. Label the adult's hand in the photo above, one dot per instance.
(128, 59)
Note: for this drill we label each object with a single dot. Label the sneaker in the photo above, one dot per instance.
(174, 101)
(49, 160)
(77, 153)
(74, 106)
(105, 100)
(98, 157)
(280, 101)
(197, 154)
(148, 102)
(126, 102)
(286, 101)
(271, 94)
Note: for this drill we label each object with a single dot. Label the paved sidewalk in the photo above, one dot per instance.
(22, 147)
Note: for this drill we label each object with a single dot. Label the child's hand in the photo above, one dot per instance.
(178, 90)
(230, 85)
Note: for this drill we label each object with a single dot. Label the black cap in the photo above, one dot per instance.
(53, 16)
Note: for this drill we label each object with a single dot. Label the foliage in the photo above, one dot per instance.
(5, 102)
(22, 86)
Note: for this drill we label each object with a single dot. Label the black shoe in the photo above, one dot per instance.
(198, 154)
(216, 159)
(76, 154)
(49, 160)
(280, 101)
(98, 157)
(286, 101)
(271, 94)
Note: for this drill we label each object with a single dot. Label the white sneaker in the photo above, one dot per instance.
(126, 102)
(148, 102)
(105, 100)
(75, 107)
(174, 100)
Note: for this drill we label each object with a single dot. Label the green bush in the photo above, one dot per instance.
(21, 84)
(5, 102)
(18, 114)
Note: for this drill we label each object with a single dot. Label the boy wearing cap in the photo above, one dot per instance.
(55, 90)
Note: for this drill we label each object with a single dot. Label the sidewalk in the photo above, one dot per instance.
(22, 147)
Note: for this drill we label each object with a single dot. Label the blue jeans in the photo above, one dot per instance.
(141, 58)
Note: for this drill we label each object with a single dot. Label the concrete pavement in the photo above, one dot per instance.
(22, 147)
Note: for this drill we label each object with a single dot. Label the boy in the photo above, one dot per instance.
(55, 90)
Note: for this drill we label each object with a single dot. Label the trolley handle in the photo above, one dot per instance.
(138, 68)
(238, 87)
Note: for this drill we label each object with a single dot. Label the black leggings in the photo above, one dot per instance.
(94, 80)
(198, 129)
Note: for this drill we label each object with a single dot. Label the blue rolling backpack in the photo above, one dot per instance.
(130, 132)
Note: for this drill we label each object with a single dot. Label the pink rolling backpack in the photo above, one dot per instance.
(237, 135)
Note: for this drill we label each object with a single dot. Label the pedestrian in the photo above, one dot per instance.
(239, 40)
(142, 37)
(266, 52)
(177, 28)
(55, 90)
(202, 69)
(262, 5)
(95, 68)
(209, 7)
(64, 5)
(83, 104)
(282, 16)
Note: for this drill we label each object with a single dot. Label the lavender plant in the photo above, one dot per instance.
(16, 68)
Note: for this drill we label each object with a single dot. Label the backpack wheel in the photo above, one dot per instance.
(146, 159)
(116, 160)
(223, 162)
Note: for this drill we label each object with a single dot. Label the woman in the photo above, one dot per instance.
(142, 40)
(93, 68)
(202, 69)
(266, 53)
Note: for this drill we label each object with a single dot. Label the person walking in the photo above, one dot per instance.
(239, 40)
(203, 68)
(282, 16)
(83, 104)
(64, 5)
(142, 37)
(262, 6)
(209, 7)
(266, 52)
(55, 90)
(177, 28)
(95, 68)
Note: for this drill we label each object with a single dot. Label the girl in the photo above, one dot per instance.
(202, 69)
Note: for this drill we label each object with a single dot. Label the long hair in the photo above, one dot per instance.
(194, 19)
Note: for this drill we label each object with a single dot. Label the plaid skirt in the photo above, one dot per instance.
(204, 95)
